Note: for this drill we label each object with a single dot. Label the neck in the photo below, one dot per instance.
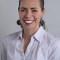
(27, 33)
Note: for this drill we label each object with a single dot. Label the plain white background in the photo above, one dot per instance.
(9, 16)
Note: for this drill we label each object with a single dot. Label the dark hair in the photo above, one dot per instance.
(42, 22)
(41, 4)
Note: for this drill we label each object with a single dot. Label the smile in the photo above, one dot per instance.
(28, 22)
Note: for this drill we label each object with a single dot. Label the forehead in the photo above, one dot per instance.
(30, 3)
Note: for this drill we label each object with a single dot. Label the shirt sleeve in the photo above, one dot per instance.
(3, 52)
(55, 52)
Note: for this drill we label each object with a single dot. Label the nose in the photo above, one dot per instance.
(28, 14)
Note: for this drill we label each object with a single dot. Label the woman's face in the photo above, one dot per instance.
(30, 13)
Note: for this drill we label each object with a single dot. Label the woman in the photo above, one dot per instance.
(33, 42)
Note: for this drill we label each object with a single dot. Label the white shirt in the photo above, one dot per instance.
(42, 46)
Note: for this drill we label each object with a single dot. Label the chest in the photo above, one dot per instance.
(33, 52)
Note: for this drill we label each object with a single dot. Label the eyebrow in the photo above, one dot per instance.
(31, 8)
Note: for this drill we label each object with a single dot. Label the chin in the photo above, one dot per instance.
(28, 28)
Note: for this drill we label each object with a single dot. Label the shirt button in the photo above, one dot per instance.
(22, 59)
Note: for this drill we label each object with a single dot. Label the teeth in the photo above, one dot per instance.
(28, 21)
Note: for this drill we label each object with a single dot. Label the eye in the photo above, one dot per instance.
(22, 10)
(34, 10)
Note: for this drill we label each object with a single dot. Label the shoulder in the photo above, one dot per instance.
(53, 44)
(8, 44)
(12, 35)
(10, 38)
(50, 39)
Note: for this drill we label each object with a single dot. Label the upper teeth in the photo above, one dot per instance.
(28, 21)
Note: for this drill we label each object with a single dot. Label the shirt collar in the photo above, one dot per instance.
(20, 34)
(38, 35)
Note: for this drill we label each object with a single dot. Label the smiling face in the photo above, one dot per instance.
(30, 13)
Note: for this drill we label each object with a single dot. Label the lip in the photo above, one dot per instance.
(29, 20)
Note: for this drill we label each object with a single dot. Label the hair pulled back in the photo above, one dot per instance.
(42, 22)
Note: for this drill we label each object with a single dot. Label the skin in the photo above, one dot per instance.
(29, 10)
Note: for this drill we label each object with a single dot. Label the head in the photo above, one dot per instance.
(31, 11)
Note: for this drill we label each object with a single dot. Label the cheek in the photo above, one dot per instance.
(21, 15)
(38, 17)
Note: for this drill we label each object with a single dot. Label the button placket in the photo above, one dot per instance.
(22, 57)
(22, 54)
(28, 50)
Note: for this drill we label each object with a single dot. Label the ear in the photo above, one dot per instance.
(43, 12)
(18, 9)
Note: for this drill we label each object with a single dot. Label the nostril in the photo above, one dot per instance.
(28, 15)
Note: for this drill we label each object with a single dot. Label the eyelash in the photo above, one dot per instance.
(32, 10)
(22, 10)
